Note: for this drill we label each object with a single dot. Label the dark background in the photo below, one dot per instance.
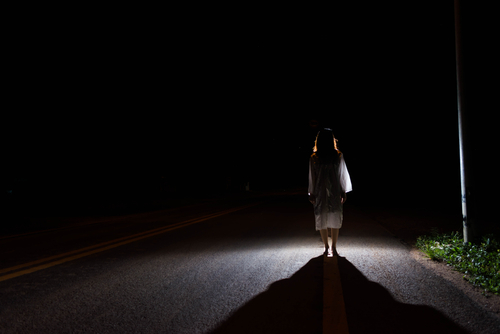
(132, 104)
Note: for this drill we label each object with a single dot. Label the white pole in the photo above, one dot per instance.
(462, 138)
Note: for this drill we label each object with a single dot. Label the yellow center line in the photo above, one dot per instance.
(334, 315)
(87, 248)
(111, 244)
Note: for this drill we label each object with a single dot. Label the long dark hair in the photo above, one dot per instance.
(325, 147)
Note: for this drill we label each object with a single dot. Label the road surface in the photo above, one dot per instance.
(251, 265)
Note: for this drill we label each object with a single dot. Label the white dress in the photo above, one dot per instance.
(327, 182)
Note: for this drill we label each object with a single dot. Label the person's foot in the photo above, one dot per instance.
(334, 252)
(327, 252)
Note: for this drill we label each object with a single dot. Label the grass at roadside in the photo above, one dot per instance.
(480, 262)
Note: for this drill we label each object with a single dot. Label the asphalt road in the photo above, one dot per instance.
(251, 265)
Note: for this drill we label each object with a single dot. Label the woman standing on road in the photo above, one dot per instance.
(329, 182)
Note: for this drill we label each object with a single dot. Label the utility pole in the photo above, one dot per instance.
(462, 135)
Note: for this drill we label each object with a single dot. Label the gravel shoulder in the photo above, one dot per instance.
(408, 224)
(489, 302)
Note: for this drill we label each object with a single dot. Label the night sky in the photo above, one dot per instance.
(106, 101)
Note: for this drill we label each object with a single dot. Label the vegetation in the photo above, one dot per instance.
(480, 262)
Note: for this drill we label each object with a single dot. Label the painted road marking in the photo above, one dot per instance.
(5, 270)
(334, 315)
(86, 251)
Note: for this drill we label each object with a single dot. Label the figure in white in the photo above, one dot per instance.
(329, 182)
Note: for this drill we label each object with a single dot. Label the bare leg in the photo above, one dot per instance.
(335, 237)
(324, 237)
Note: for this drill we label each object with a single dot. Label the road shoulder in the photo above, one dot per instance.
(408, 224)
(489, 302)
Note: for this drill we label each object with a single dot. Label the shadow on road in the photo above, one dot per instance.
(292, 305)
(371, 309)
